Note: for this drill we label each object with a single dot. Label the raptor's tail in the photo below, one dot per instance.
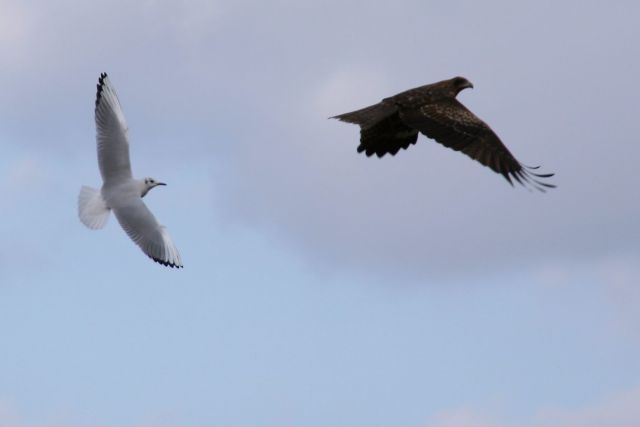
(368, 116)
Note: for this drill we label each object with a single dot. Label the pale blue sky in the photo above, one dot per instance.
(320, 287)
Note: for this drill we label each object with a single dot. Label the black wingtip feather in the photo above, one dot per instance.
(165, 263)
(526, 178)
(507, 177)
(547, 184)
(542, 175)
(100, 87)
(519, 177)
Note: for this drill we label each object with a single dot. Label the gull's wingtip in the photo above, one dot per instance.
(167, 263)
(100, 87)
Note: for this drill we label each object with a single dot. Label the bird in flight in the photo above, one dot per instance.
(120, 191)
(434, 111)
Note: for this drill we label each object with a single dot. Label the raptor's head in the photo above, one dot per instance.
(459, 83)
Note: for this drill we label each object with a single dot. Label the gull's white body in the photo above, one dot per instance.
(121, 193)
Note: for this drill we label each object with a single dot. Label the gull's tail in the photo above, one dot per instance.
(92, 209)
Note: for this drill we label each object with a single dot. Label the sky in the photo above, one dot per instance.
(321, 287)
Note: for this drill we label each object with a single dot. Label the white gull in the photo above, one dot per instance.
(120, 191)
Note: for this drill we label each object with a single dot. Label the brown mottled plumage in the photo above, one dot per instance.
(434, 111)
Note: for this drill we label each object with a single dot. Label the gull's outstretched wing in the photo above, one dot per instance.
(111, 133)
(143, 228)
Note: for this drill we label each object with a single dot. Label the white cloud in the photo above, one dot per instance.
(348, 87)
(12, 416)
(24, 172)
(430, 213)
(251, 85)
(463, 417)
(16, 31)
(621, 276)
(21, 175)
(8, 416)
(620, 410)
(614, 278)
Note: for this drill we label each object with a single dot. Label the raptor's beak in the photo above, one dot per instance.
(470, 85)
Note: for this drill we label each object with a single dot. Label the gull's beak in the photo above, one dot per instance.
(160, 183)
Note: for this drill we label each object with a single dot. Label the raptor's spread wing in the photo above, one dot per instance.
(454, 126)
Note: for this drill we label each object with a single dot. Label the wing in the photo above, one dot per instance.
(142, 227)
(389, 135)
(111, 133)
(454, 126)
(381, 129)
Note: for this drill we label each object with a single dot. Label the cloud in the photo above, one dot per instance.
(12, 416)
(463, 417)
(22, 174)
(430, 213)
(251, 85)
(8, 417)
(16, 32)
(621, 275)
(621, 410)
(613, 277)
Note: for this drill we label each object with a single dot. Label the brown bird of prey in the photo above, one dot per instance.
(434, 111)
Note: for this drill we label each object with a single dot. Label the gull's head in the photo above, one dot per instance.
(148, 183)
